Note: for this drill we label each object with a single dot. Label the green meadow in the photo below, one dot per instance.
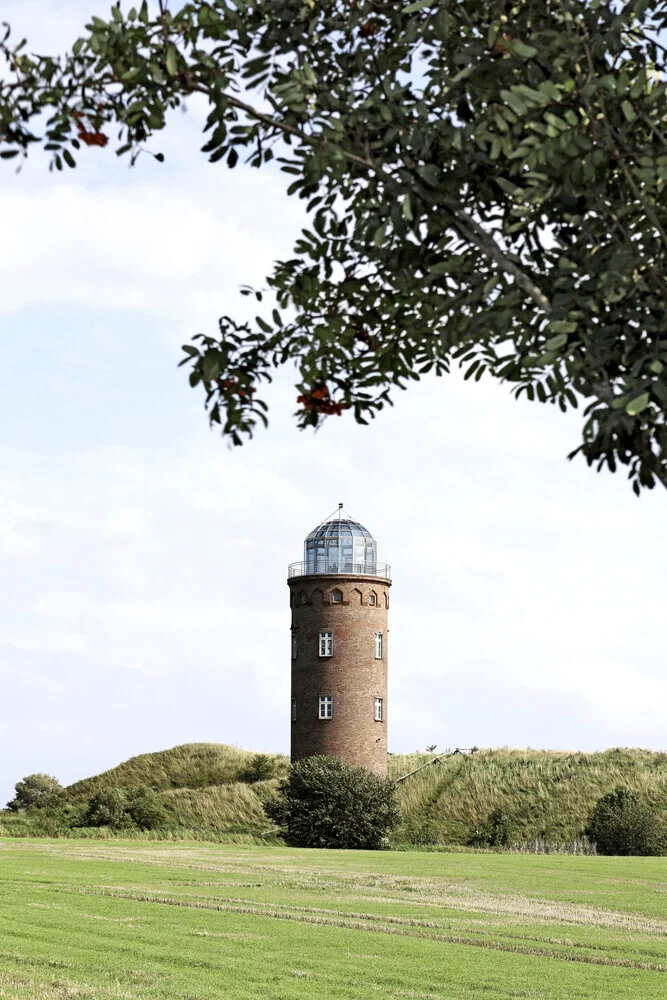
(134, 919)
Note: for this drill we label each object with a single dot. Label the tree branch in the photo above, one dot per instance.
(467, 227)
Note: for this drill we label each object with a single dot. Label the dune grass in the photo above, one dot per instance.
(547, 794)
(144, 921)
(191, 765)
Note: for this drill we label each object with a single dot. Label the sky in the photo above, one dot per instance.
(143, 596)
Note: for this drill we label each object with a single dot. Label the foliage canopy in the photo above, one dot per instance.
(622, 824)
(37, 791)
(485, 183)
(118, 807)
(325, 803)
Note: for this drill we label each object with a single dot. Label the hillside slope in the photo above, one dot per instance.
(208, 791)
(191, 765)
(546, 793)
(206, 788)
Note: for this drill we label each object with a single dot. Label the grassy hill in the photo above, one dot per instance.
(191, 765)
(548, 794)
(209, 791)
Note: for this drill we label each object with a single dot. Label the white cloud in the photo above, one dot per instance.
(139, 247)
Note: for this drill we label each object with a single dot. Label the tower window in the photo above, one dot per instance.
(302, 598)
(293, 709)
(326, 706)
(378, 645)
(372, 600)
(336, 597)
(326, 643)
(379, 704)
(294, 645)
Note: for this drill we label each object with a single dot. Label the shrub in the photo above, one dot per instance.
(36, 791)
(621, 824)
(260, 768)
(108, 807)
(325, 803)
(498, 831)
(146, 810)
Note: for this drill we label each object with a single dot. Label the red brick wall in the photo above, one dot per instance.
(352, 675)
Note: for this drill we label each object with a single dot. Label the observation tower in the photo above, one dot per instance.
(339, 596)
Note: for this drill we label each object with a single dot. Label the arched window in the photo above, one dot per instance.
(302, 597)
(372, 598)
(336, 597)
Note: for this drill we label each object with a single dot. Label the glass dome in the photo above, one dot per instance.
(340, 545)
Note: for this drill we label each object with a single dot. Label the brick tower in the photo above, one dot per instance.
(339, 596)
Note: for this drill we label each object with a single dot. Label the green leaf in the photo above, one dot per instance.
(172, 60)
(515, 45)
(407, 208)
(554, 343)
(210, 366)
(637, 405)
(628, 111)
(419, 5)
(68, 158)
(562, 326)
(263, 325)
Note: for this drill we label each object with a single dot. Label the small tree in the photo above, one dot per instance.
(621, 824)
(325, 803)
(498, 831)
(146, 810)
(37, 791)
(260, 768)
(108, 807)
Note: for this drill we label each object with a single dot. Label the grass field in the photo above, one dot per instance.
(94, 920)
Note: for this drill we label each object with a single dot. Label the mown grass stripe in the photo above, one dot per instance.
(364, 925)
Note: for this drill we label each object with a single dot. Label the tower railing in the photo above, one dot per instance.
(339, 569)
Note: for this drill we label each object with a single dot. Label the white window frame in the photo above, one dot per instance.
(372, 600)
(379, 645)
(325, 706)
(294, 645)
(336, 597)
(293, 709)
(326, 643)
(378, 709)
